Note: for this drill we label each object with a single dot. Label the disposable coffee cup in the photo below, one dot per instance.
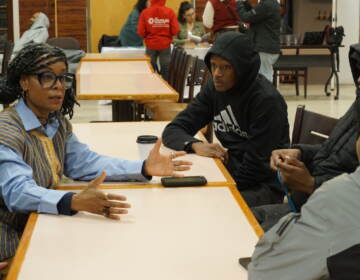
(145, 144)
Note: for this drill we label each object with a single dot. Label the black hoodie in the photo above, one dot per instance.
(337, 154)
(250, 120)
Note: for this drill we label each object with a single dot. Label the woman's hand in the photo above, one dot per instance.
(164, 165)
(95, 201)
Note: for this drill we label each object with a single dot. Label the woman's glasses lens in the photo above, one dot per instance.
(49, 79)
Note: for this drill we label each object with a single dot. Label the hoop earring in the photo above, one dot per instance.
(23, 93)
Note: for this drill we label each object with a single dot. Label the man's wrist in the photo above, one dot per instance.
(311, 185)
(194, 145)
(188, 146)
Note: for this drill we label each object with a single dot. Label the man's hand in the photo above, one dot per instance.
(296, 176)
(164, 165)
(93, 200)
(279, 156)
(210, 150)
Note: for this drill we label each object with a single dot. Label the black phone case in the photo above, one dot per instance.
(183, 181)
(244, 262)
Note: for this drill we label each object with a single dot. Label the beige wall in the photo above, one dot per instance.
(107, 17)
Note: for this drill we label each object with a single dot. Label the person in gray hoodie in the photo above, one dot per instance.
(323, 241)
(37, 33)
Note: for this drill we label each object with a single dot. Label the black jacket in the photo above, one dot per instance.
(337, 154)
(265, 20)
(250, 120)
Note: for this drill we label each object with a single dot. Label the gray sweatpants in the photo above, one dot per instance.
(164, 57)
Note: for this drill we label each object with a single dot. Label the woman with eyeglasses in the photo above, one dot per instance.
(37, 146)
(188, 25)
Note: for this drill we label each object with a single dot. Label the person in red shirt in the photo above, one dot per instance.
(157, 25)
(221, 16)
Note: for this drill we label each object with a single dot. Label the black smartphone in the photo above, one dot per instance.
(244, 262)
(187, 181)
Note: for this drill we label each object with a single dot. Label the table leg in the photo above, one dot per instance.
(328, 83)
(337, 86)
(122, 110)
(334, 73)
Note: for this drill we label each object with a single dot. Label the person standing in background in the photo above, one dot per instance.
(188, 24)
(265, 21)
(128, 36)
(157, 25)
(221, 16)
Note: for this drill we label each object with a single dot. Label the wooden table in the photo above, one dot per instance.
(113, 56)
(110, 67)
(123, 82)
(119, 140)
(170, 233)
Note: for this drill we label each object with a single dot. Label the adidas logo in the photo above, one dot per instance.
(226, 122)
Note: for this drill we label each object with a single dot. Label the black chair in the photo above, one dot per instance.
(108, 41)
(198, 75)
(64, 43)
(311, 127)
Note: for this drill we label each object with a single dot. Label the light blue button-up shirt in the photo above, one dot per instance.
(20, 191)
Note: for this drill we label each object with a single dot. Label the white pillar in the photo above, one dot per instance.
(16, 20)
(348, 14)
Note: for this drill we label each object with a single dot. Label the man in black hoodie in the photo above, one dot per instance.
(249, 117)
(304, 168)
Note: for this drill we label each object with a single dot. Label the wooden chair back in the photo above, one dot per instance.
(311, 127)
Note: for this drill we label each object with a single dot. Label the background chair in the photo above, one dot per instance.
(294, 65)
(69, 43)
(108, 41)
(311, 127)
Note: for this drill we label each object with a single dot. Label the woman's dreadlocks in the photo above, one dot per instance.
(28, 61)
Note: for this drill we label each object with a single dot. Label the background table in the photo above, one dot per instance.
(330, 60)
(110, 80)
(110, 67)
(119, 140)
(176, 233)
(128, 56)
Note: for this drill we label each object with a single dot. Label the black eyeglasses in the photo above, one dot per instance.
(48, 79)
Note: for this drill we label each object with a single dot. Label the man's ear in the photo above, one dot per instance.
(24, 83)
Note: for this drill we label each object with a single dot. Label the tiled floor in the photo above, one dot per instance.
(316, 101)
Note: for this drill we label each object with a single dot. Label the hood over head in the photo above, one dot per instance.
(354, 59)
(238, 50)
(158, 2)
(41, 21)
